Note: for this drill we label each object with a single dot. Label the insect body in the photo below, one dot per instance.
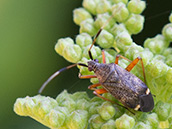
(124, 86)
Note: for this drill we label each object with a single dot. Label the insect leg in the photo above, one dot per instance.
(117, 58)
(101, 91)
(133, 63)
(103, 57)
(86, 76)
(92, 87)
(98, 92)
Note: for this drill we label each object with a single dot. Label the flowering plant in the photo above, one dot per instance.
(78, 111)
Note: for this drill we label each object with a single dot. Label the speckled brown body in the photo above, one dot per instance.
(123, 85)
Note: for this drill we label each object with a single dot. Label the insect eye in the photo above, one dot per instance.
(96, 60)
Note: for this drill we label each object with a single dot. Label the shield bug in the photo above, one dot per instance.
(120, 83)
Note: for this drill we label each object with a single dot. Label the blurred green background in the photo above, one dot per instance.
(29, 30)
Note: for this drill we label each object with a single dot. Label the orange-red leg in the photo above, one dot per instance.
(98, 92)
(101, 91)
(117, 58)
(92, 87)
(133, 63)
(86, 76)
(103, 57)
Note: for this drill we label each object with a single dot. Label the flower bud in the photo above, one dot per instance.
(80, 14)
(62, 43)
(167, 32)
(163, 110)
(77, 120)
(82, 104)
(55, 119)
(132, 50)
(123, 40)
(120, 12)
(65, 100)
(167, 52)
(95, 51)
(103, 6)
(80, 95)
(141, 125)
(134, 23)
(118, 28)
(68, 50)
(110, 124)
(156, 68)
(106, 110)
(105, 39)
(90, 5)
(96, 121)
(87, 26)
(83, 40)
(153, 120)
(125, 122)
(136, 6)
(102, 19)
(157, 44)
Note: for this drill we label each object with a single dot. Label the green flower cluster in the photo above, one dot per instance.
(119, 19)
(65, 112)
(78, 111)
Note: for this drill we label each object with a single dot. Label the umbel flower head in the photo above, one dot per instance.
(78, 111)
